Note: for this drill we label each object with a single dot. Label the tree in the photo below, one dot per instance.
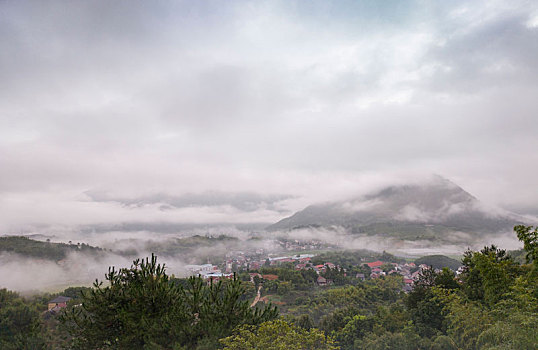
(305, 322)
(406, 340)
(283, 288)
(446, 279)
(278, 335)
(257, 281)
(488, 274)
(529, 237)
(142, 308)
(20, 326)
(354, 331)
(518, 331)
(426, 309)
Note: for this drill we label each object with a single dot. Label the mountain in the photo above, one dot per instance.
(416, 211)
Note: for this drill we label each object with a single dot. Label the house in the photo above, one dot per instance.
(415, 274)
(216, 276)
(322, 281)
(320, 268)
(360, 276)
(270, 277)
(330, 265)
(58, 302)
(254, 265)
(375, 264)
(202, 269)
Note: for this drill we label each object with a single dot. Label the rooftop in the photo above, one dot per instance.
(60, 299)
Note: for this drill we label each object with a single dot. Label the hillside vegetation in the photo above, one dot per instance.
(42, 250)
(493, 304)
(438, 262)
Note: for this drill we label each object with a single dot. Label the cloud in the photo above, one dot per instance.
(298, 99)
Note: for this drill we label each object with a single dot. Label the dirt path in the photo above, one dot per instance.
(258, 295)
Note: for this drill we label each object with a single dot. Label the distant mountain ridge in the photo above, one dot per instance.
(415, 211)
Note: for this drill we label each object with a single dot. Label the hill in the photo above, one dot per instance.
(42, 250)
(434, 209)
(438, 262)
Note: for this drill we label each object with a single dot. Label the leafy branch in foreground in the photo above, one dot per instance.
(278, 335)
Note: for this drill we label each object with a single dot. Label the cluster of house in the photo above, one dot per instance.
(256, 260)
(409, 271)
(213, 273)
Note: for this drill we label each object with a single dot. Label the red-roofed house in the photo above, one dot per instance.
(375, 264)
(322, 281)
(300, 266)
(270, 277)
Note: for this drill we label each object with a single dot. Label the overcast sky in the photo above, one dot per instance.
(308, 99)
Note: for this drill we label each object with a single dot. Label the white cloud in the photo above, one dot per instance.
(304, 99)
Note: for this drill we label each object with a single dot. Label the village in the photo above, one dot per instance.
(238, 261)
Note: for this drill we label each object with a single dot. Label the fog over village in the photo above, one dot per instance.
(348, 141)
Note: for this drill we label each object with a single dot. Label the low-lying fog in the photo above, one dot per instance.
(29, 275)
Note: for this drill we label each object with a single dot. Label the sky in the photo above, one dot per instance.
(245, 111)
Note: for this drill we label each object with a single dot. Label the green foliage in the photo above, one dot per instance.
(492, 305)
(354, 330)
(529, 237)
(278, 335)
(488, 274)
(336, 275)
(465, 320)
(20, 326)
(43, 250)
(425, 307)
(349, 258)
(141, 308)
(305, 322)
(518, 331)
(405, 340)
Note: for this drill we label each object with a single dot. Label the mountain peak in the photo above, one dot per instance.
(434, 205)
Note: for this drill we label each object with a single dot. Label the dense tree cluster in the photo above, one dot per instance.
(278, 335)
(44, 250)
(20, 326)
(141, 308)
